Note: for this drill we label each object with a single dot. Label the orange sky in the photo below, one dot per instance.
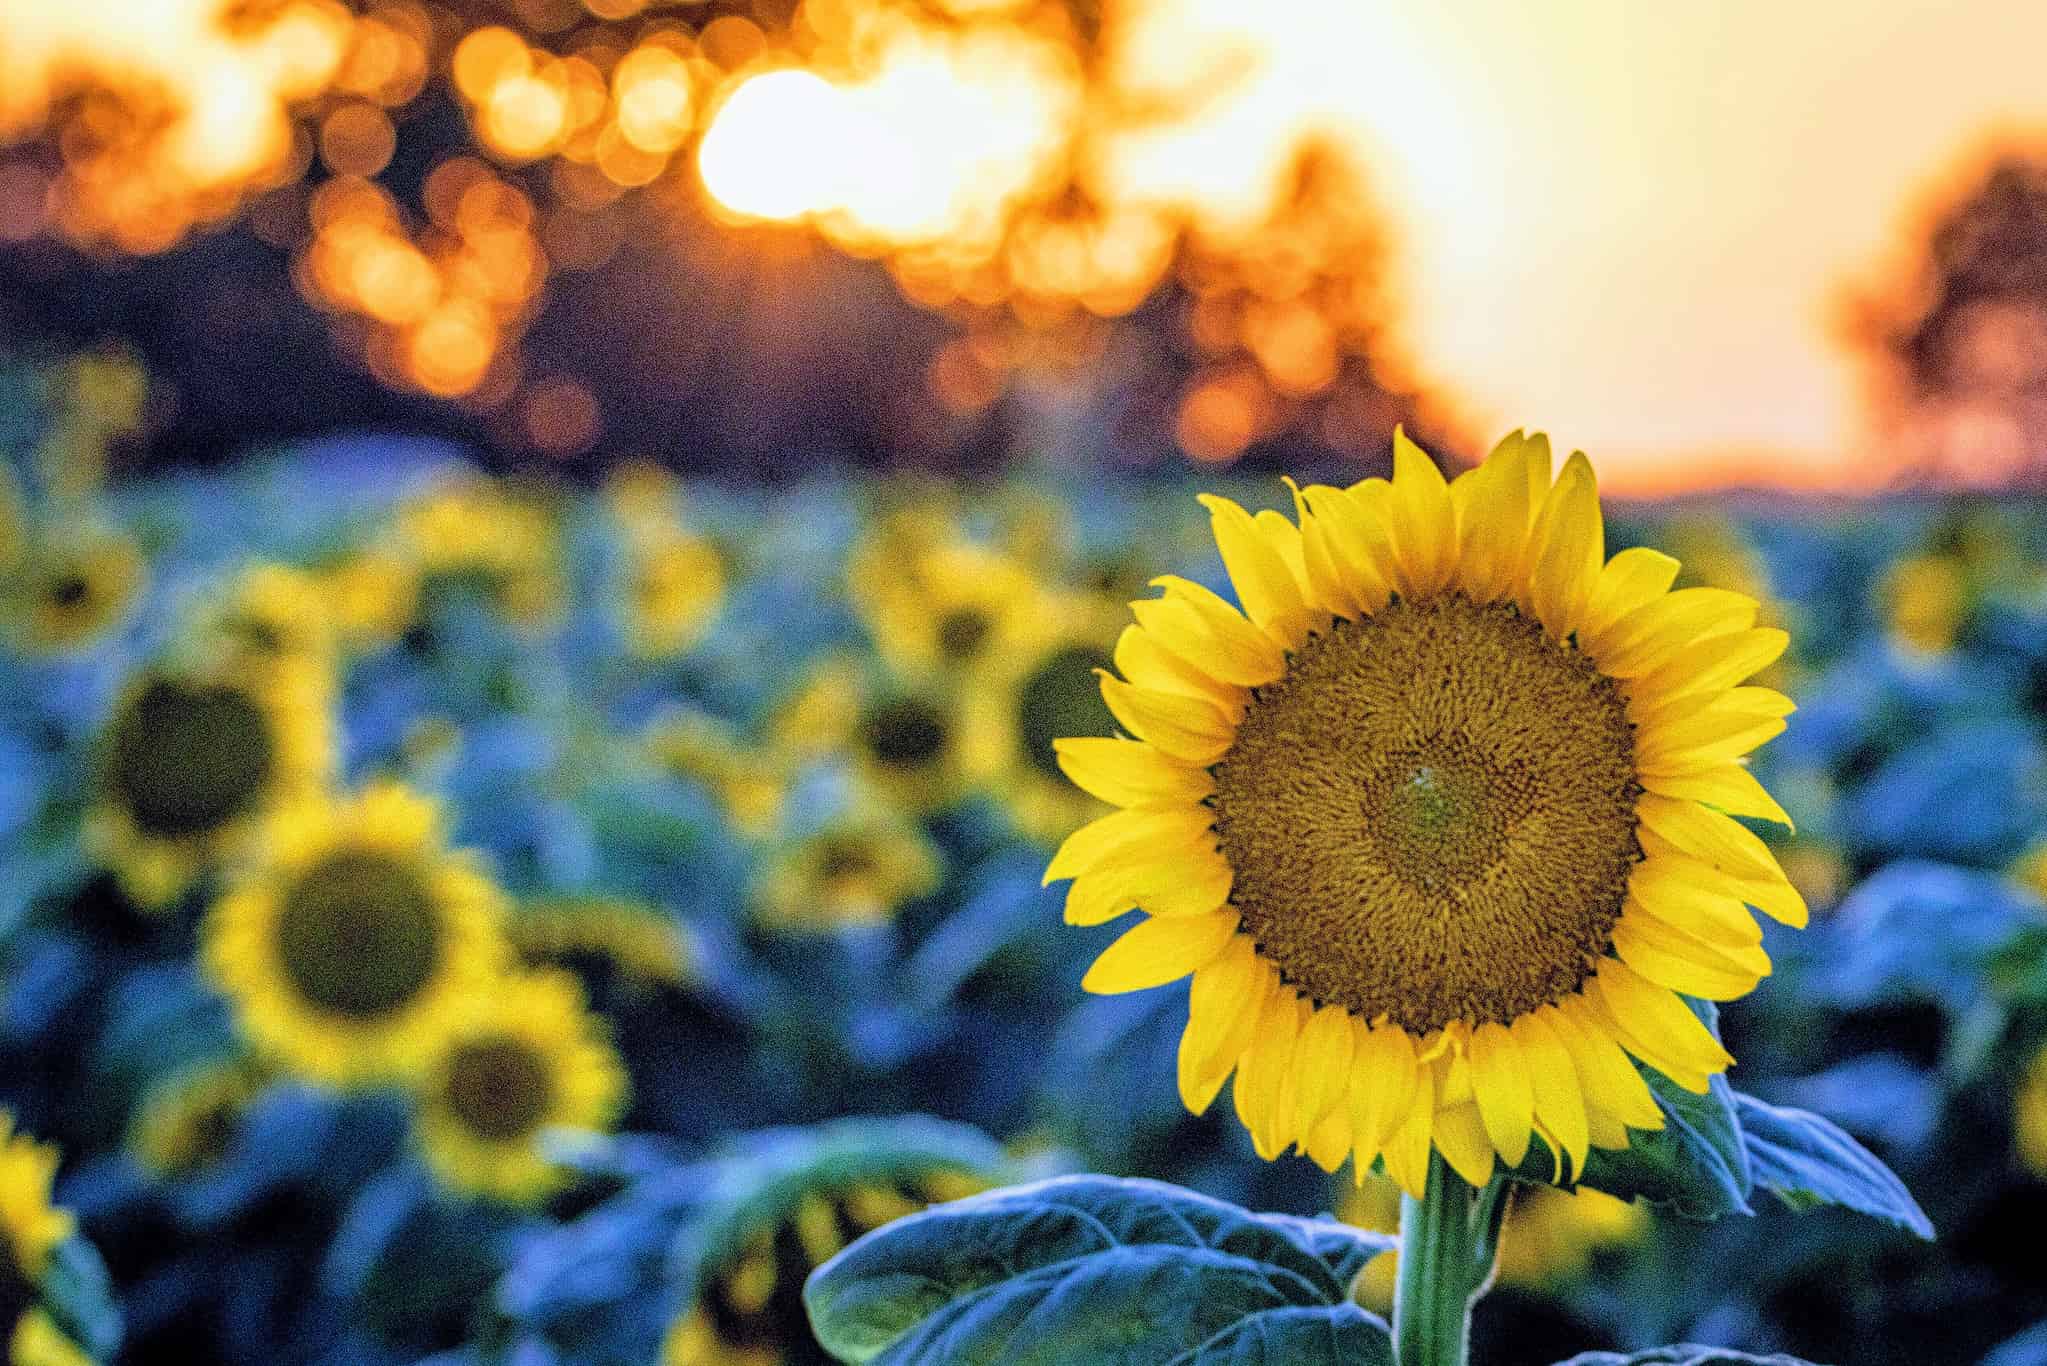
(1625, 221)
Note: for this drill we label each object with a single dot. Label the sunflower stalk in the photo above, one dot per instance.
(1448, 1241)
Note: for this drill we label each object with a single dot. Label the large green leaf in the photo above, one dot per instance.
(1682, 1354)
(1096, 1269)
(1809, 1161)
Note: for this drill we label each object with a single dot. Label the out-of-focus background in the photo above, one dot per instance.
(637, 486)
(1722, 244)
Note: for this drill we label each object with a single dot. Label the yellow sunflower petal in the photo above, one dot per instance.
(1267, 587)
(1323, 580)
(1671, 958)
(1568, 547)
(1138, 830)
(1129, 772)
(1708, 739)
(1195, 624)
(1506, 1099)
(1495, 510)
(1720, 840)
(1190, 884)
(1461, 1137)
(1406, 1150)
(1559, 1095)
(1159, 950)
(1323, 1063)
(1672, 891)
(1329, 1142)
(1629, 581)
(1140, 658)
(1263, 1071)
(1709, 665)
(1650, 637)
(1654, 1025)
(1773, 895)
(1186, 728)
(1382, 1086)
(1611, 1082)
(1359, 542)
(1225, 1002)
(1200, 1076)
(1730, 787)
(1424, 528)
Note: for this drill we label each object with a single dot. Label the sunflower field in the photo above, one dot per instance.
(484, 921)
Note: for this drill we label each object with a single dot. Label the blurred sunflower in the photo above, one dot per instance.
(190, 762)
(2029, 1115)
(1924, 601)
(749, 783)
(817, 716)
(749, 1307)
(856, 870)
(97, 399)
(1548, 1239)
(673, 585)
(187, 1122)
(477, 538)
(1551, 1235)
(1040, 688)
(30, 1230)
(371, 596)
(1444, 829)
(944, 607)
(527, 1057)
(641, 945)
(268, 614)
(78, 584)
(351, 950)
(903, 740)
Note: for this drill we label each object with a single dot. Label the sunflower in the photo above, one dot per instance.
(191, 760)
(1016, 708)
(1551, 1235)
(943, 606)
(30, 1230)
(855, 870)
(79, 584)
(749, 1308)
(1925, 601)
(350, 951)
(187, 1122)
(475, 537)
(643, 945)
(1443, 830)
(371, 595)
(270, 613)
(673, 585)
(526, 1058)
(903, 739)
(2029, 1115)
(750, 784)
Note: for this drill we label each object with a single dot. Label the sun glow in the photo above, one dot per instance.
(1066, 164)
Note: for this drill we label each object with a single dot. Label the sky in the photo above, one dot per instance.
(1627, 221)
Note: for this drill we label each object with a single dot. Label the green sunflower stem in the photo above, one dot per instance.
(1448, 1240)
